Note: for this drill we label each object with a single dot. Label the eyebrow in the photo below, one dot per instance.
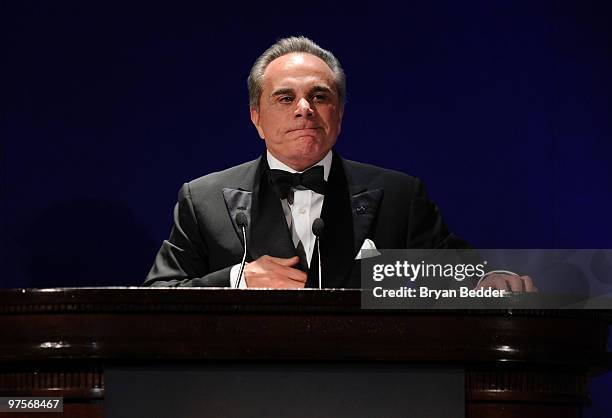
(317, 89)
(282, 91)
(287, 90)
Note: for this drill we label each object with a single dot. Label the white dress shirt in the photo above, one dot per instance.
(299, 214)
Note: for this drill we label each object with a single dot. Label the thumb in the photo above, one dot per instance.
(286, 261)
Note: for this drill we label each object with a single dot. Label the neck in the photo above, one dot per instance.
(299, 166)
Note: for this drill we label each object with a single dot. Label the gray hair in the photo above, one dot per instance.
(287, 46)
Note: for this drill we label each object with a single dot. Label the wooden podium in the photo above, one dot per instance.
(518, 363)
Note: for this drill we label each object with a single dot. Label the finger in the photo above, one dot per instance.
(281, 281)
(285, 261)
(275, 272)
(273, 281)
(500, 283)
(265, 280)
(267, 263)
(289, 284)
(515, 283)
(294, 274)
(495, 281)
(528, 284)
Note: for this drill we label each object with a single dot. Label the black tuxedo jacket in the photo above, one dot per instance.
(362, 201)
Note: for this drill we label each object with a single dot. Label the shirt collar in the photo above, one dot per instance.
(275, 164)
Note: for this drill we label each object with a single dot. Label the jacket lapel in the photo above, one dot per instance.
(236, 201)
(349, 211)
(270, 232)
(267, 230)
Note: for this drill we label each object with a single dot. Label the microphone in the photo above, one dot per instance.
(242, 222)
(317, 229)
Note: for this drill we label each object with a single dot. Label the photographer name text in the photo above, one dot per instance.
(425, 292)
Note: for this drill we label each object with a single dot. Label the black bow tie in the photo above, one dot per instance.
(311, 179)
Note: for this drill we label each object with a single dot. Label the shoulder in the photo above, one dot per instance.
(240, 176)
(374, 176)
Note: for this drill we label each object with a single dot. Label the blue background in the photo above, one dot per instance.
(502, 108)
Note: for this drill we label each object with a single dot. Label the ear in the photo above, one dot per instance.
(255, 119)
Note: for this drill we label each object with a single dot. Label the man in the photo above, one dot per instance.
(297, 91)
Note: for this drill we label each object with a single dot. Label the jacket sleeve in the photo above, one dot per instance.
(426, 228)
(183, 259)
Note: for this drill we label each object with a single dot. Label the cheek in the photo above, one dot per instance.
(331, 116)
(270, 127)
(274, 122)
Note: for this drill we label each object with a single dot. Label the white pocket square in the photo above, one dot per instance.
(367, 250)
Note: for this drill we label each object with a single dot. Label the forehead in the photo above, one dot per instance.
(297, 67)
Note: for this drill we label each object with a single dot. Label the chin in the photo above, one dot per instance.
(304, 152)
(309, 158)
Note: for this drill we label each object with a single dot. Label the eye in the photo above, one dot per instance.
(320, 97)
(285, 99)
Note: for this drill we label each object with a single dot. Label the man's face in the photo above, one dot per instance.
(300, 112)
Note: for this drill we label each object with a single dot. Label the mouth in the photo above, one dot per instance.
(307, 129)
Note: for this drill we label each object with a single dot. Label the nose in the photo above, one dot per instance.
(303, 109)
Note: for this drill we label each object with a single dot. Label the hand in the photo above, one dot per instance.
(503, 281)
(273, 272)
